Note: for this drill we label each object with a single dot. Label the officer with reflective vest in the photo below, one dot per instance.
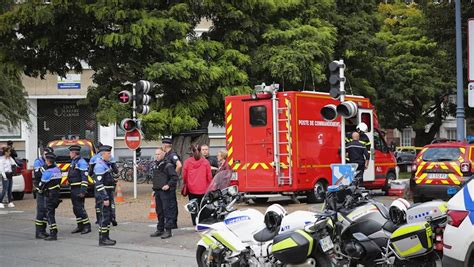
(362, 128)
(50, 186)
(114, 168)
(41, 221)
(104, 194)
(78, 180)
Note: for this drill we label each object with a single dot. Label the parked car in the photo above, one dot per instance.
(458, 248)
(440, 170)
(18, 187)
(406, 154)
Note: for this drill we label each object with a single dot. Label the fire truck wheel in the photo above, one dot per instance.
(390, 177)
(317, 195)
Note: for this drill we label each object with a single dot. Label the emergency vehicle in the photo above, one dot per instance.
(279, 143)
(63, 161)
(458, 248)
(440, 169)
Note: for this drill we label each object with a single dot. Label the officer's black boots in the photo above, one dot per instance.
(157, 233)
(108, 238)
(41, 232)
(53, 235)
(86, 229)
(78, 229)
(103, 241)
(166, 234)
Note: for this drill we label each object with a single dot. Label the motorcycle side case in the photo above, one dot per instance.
(428, 211)
(411, 240)
(297, 220)
(292, 247)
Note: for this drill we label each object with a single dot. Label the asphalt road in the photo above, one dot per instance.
(18, 246)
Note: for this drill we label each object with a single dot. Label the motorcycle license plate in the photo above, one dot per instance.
(326, 244)
(437, 175)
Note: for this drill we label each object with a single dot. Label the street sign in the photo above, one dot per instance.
(343, 173)
(133, 139)
(470, 95)
(124, 97)
(470, 50)
(71, 81)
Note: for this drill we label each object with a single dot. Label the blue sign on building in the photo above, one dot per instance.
(71, 81)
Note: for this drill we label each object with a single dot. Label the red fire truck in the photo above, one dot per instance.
(279, 143)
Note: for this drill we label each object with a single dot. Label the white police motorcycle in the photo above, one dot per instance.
(232, 237)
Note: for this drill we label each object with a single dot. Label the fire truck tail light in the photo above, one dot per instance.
(456, 217)
(465, 167)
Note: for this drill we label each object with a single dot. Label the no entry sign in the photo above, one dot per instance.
(133, 139)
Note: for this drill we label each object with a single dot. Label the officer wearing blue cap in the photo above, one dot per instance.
(49, 186)
(104, 194)
(39, 166)
(78, 180)
(113, 165)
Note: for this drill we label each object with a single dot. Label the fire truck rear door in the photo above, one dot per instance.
(258, 144)
(367, 116)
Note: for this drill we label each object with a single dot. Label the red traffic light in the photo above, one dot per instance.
(128, 125)
(124, 97)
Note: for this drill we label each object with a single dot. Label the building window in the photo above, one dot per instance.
(9, 132)
(406, 137)
(451, 134)
(258, 115)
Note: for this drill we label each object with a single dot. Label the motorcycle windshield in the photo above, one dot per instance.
(221, 181)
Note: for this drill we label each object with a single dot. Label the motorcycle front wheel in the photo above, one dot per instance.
(201, 256)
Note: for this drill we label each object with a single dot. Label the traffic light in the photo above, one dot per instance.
(347, 109)
(329, 112)
(142, 88)
(125, 97)
(138, 152)
(129, 125)
(336, 69)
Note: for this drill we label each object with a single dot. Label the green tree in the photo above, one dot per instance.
(411, 91)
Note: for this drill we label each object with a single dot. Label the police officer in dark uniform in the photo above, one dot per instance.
(358, 154)
(49, 186)
(104, 194)
(172, 156)
(78, 180)
(114, 168)
(41, 221)
(164, 186)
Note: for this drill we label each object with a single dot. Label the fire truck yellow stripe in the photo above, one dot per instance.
(231, 161)
(229, 118)
(254, 166)
(420, 168)
(236, 166)
(422, 176)
(264, 166)
(231, 150)
(59, 143)
(428, 181)
(245, 166)
(229, 106)
(430, 166)
(444, 182)
(463, 150)
(461, 159)
(456, 168)
(454, 178)
(229, 129)
(230, 139)
(443, 166)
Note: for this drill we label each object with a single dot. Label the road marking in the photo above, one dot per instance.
(5, 212)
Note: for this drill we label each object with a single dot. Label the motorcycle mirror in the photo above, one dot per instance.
(191, 207)
(233, 190)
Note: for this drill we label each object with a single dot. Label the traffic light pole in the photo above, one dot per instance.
(134, 116)
(460, 129)
(343, 120)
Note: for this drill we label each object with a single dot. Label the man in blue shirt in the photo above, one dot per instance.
(49, 186)
(39, 166)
